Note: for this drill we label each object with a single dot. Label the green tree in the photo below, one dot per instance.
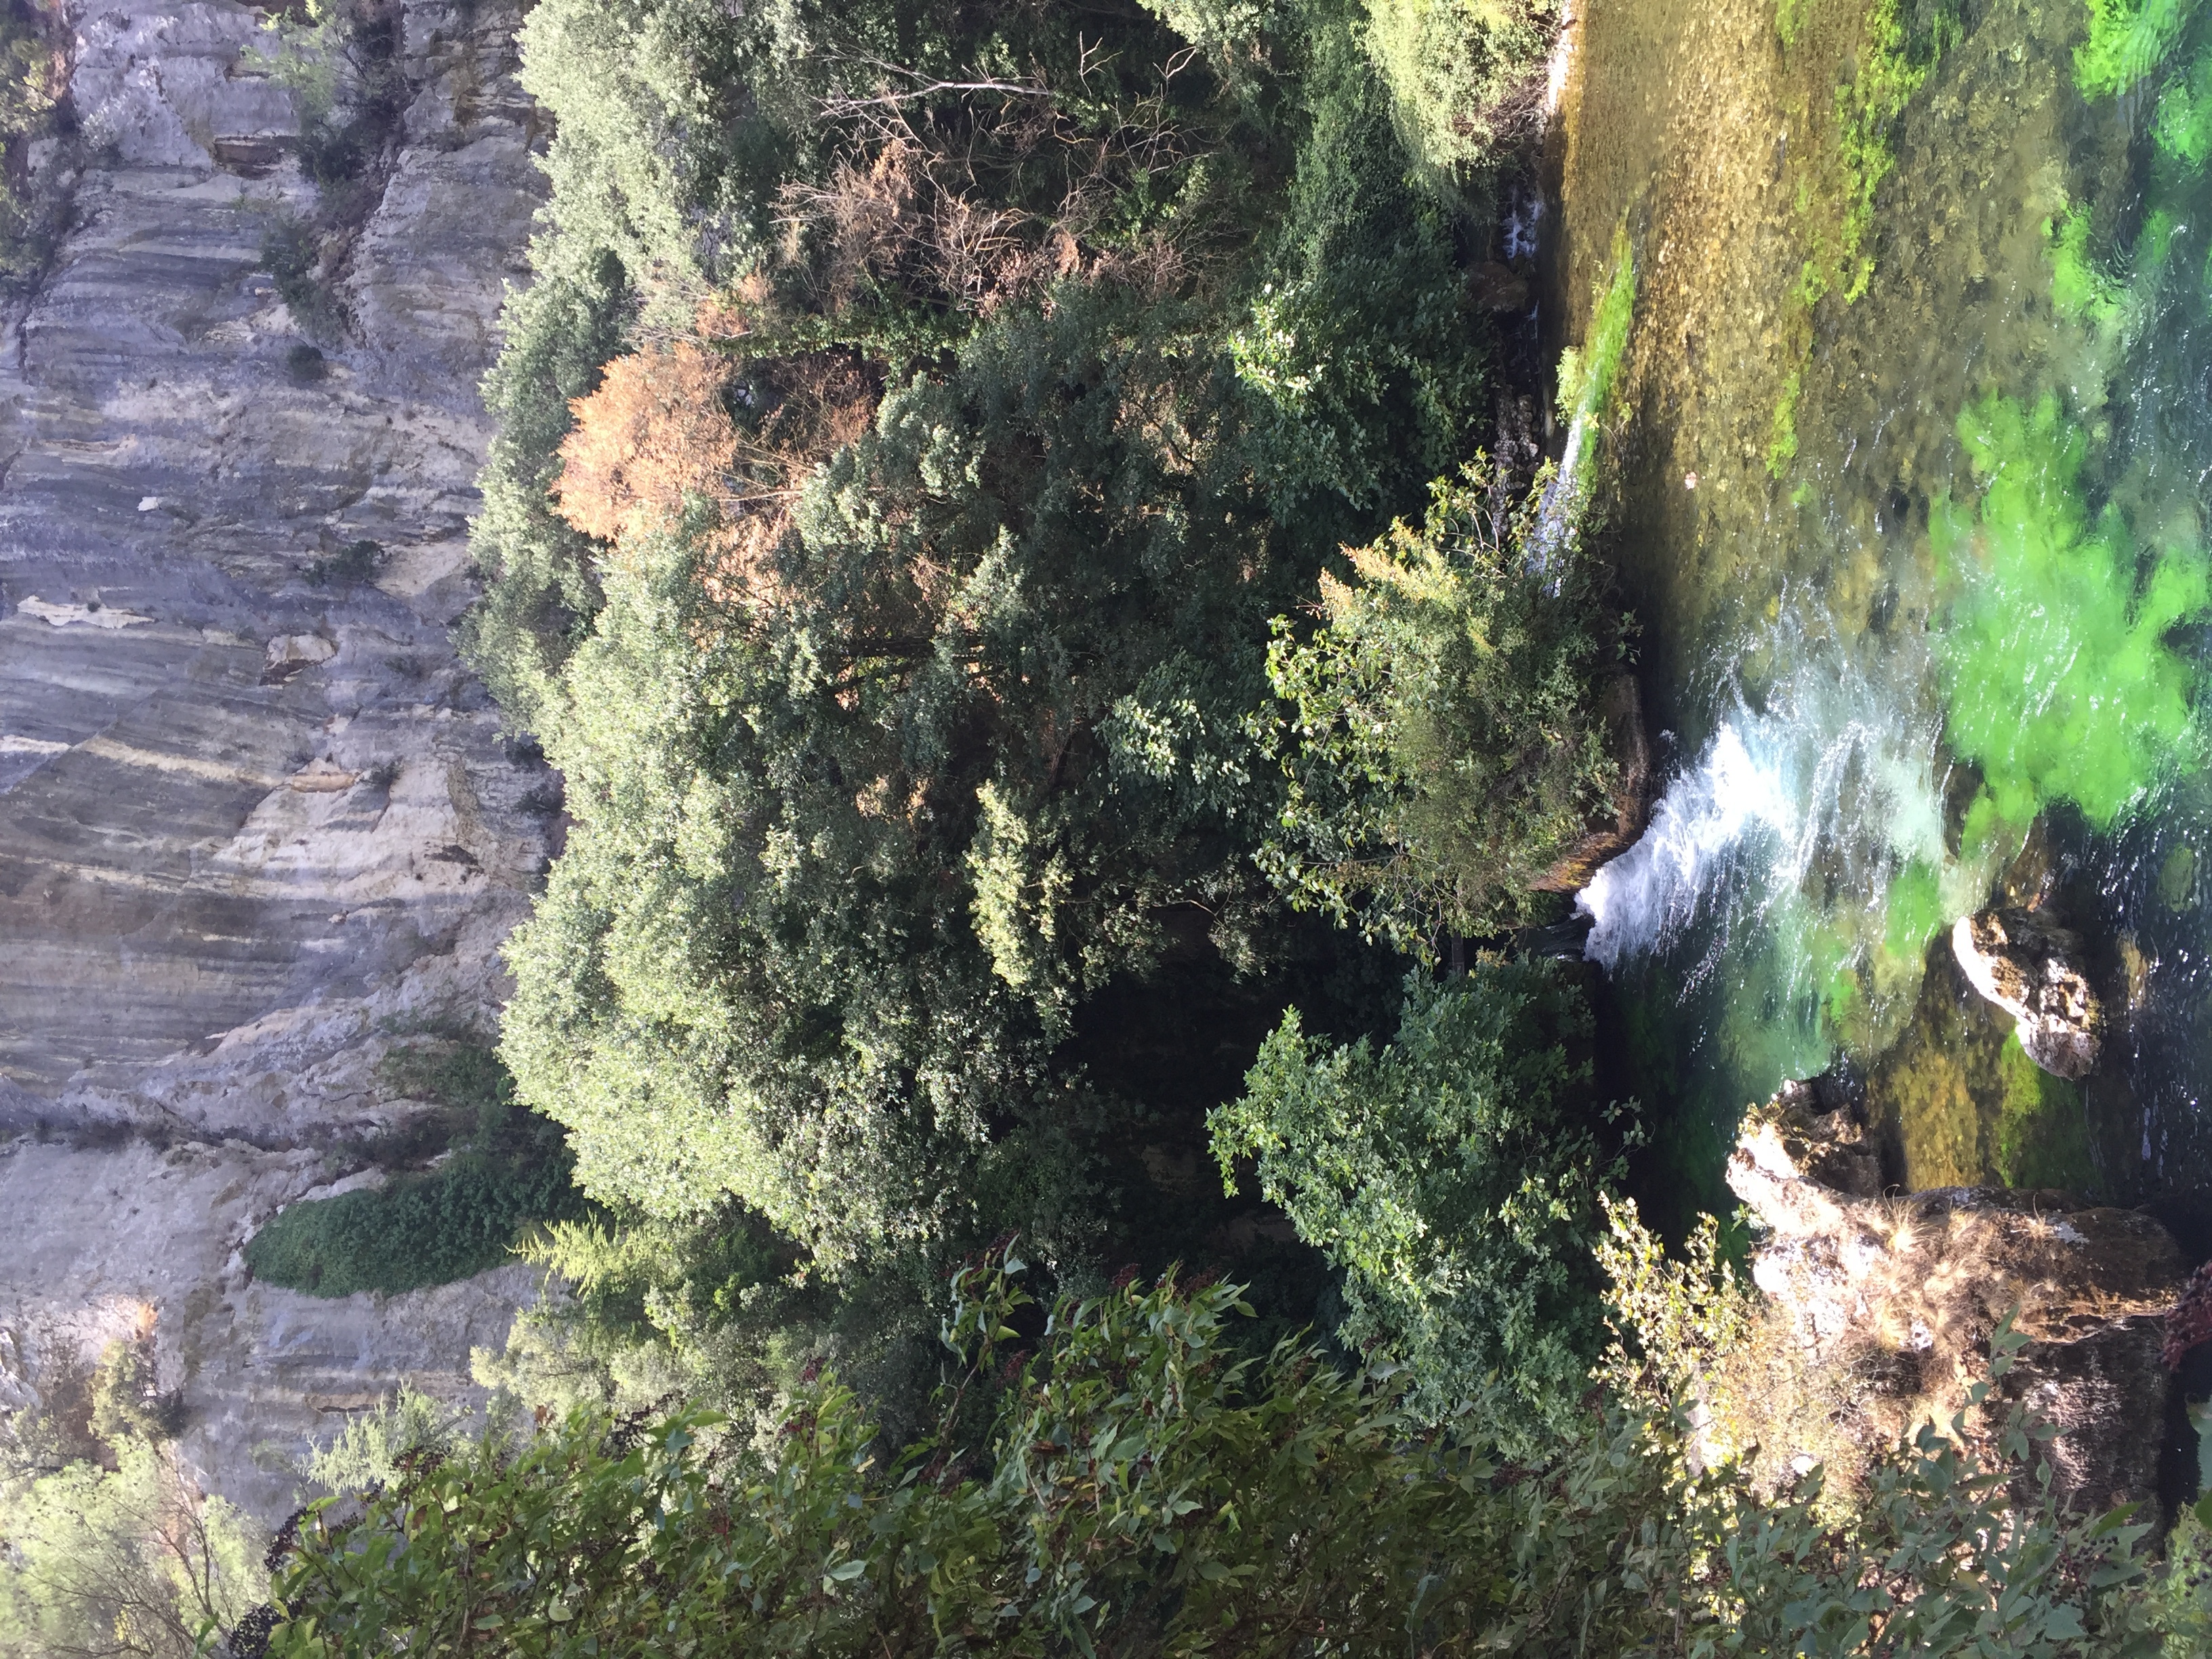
(128, 1402)
(375, 1448)
(1455, 1177)
(910, 745)
(1440, 733)
(857, 838)
(102, 1564)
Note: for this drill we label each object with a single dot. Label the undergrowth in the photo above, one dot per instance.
(33, 105)
(449, 1224)
(503, 1172)
(340, 63)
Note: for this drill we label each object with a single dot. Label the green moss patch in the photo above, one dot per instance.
(1965, 1107)
(2043, 1131)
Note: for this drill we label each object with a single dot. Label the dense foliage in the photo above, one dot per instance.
(502, 1173)
(1146, 1491)
(128, 1560)
(918, 418)
(1440, 733)
(1455, 1177)
(1467, 76)
(414, 1230)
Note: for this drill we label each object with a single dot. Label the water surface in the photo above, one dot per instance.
(1910, 451)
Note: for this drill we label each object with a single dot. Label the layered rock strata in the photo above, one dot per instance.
(140, 1239)
(1902, 1293)
(257, 823)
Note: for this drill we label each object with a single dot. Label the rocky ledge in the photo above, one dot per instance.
(1902, 1292)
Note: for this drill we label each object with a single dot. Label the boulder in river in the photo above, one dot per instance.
(1897, 1297)
(2029, 967)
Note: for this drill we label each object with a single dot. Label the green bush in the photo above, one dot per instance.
(292, 254)
(1144, 1492)
(460, 1074)
(1464, 74)
(1455, 1177)
(1439, 732)
(127, 1403)
(418, 1230)
(376, 1448)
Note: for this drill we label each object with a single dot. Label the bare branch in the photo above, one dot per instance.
(837, 107)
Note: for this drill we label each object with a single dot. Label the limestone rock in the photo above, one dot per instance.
(2026, 965)
(99, 1245)
(255, 816)
(199, 913)
(1905, 1292)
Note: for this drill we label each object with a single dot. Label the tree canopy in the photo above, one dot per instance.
(897, 608)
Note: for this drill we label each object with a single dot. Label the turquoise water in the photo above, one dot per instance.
(1946, 644)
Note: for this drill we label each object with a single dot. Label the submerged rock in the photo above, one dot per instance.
(1901, 1294)
(2026, 965)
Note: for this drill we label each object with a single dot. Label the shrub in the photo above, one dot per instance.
(1464, 74)
(1455, 1177)
(375, 1449)
(1363, 365)
(34, 83)
(1145, 1492)
(356, 561)
(1440, 732)
(127, 1403)
(340, 63)
(453, 1223)
(459, 1074)
(292, 254)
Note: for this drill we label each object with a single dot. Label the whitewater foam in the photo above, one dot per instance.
(1793, 814)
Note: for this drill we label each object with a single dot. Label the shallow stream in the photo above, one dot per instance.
(1910, 449)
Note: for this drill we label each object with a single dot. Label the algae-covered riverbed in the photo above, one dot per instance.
(1913, 433)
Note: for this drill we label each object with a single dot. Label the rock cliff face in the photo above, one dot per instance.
(119, 1240)
(254, 817)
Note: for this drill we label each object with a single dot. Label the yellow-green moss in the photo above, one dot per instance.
(2042, 1135)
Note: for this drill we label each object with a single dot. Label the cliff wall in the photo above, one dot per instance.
(256, 820)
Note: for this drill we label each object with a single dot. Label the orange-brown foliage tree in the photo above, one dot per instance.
(653, 434)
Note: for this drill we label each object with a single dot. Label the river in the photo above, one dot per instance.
(1909, 464)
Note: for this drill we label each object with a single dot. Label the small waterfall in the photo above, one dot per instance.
(1789, 830)
(1651, 894)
